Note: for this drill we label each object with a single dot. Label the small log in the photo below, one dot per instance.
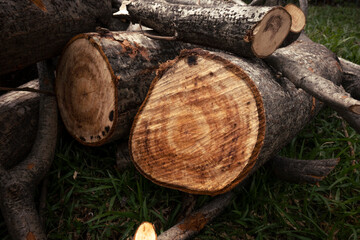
(244, 30)
(298, 21)
(36, 30)
(303, 171)
(19, 113)
(102, 80)
(210, 119)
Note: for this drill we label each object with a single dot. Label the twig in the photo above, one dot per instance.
(156, 37)
(352, 151)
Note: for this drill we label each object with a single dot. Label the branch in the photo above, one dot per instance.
(319, 87)
(17, 185)
(303, 171)
(196, 221)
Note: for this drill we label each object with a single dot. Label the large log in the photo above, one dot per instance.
(19, 113)
(211, 119)
(244, 30)
(39, 29)
(102, 80)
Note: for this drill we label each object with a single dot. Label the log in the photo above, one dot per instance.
(244, 30)
(102, 80)
(19, 113)
(211, 119)
(298, 21)
(39, 29)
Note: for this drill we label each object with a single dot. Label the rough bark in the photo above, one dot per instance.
(18, 183)
(244, 30)
(302, 171)
(39, 29)
(19, 112)
(193, 134)
(102, 79)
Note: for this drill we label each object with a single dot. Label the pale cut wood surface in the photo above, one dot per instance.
(298, 19)
(201, 125)
(146, 231)
(85, 91)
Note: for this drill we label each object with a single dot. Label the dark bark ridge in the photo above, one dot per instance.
(18, 183)
(42, 28)
(244, 30)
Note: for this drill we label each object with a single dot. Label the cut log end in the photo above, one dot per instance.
(146, 231)
(298, 18)
(86, 92)
(269, 34)
(201, 126)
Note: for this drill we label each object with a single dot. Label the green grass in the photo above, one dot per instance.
(105, 203)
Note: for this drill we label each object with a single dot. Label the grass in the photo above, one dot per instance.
(89, 198)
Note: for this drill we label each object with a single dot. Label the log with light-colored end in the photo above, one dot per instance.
(298, 21)
(102, 79)
(244, 30)
(298, 18)
(85, 91)
(146, 231)
(201, 125)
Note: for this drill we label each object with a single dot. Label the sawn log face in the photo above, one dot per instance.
(186, 147)
(103, 79)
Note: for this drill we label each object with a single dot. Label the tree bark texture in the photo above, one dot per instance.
(191, 137)
(102, 80)
(244, 30)
(38, 29)
(18, 183)
(351, 78)
(19, 113)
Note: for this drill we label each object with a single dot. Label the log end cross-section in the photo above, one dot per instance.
(270, 32)
(86, 91)
(201, 126)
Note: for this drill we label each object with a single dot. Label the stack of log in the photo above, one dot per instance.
(211, 93)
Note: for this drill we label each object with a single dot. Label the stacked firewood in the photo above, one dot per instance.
(206, 94)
